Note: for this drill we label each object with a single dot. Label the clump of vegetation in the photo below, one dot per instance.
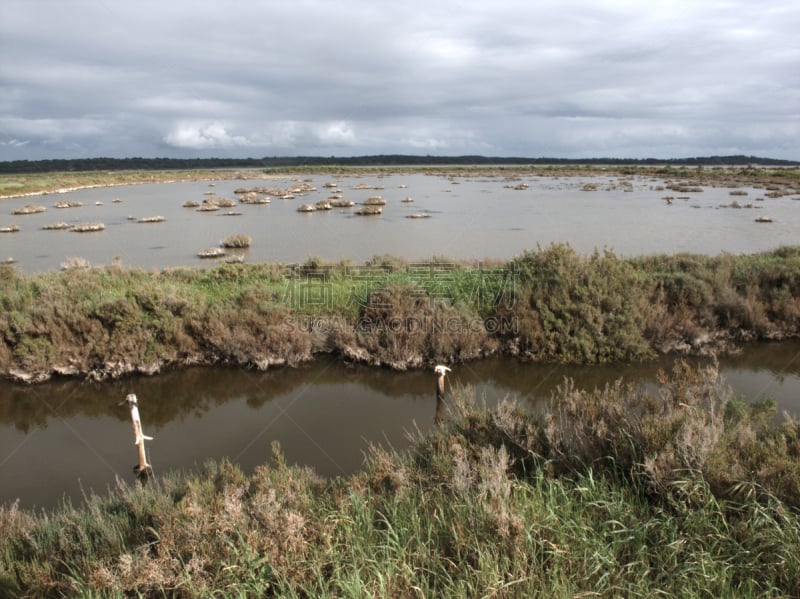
(696, 298)
(402, 326)
(75, 262)
(29, 209)
(211, 253)
(219, 202)
(573, 308)
(369, 210)
(237, 241)
(59, 226)
(618, 492)
(61, 204)
(693, 431)
(87, 227)
(340, 203)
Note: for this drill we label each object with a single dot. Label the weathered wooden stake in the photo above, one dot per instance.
(143, 470)
(440, 371)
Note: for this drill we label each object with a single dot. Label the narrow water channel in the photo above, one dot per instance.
(67, 439)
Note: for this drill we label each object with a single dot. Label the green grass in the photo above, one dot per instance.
(493, 502)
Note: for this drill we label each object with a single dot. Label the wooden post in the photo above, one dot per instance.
(440, 371)
(143, 470)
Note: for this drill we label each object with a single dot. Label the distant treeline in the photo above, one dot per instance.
(101, 164)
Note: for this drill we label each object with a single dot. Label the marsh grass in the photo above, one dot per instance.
(36, 183)
(493, 502)
(554, 305)
(778, 181)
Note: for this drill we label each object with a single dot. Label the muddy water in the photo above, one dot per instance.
(67, 439)
(469, 218)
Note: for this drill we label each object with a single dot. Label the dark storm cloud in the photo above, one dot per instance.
(571, 78)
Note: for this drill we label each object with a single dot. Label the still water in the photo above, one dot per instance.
(469, 218)
(69, 438)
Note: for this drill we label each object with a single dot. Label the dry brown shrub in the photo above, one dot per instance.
(386, 472)
(278, 504)
(237, 241)
(655, 439)
(250, 336)
(402, 326)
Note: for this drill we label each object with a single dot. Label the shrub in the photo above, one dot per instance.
(578, 309)
(401, 325)
(237, 241)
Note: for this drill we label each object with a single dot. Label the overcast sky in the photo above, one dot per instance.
(535, 78)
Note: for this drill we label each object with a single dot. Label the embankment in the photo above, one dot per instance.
(550, 305)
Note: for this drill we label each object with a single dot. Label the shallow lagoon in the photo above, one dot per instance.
(471, 217)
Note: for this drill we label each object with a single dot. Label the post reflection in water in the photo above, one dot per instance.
(69, 438)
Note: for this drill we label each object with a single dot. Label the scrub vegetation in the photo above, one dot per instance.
(680, 491)
(548, 305)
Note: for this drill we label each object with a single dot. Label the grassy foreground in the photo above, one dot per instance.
(681, 492)
(550, 304)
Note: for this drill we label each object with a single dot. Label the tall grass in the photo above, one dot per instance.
(618, 492)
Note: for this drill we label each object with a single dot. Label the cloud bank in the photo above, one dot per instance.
(575, 78)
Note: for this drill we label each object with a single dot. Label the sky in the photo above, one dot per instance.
(530, 78)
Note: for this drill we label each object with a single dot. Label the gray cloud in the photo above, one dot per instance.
(575, 78)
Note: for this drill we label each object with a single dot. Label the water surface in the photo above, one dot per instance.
(68, 438)
(470, 218)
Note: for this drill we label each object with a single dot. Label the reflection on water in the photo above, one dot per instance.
(478, 218)
(69, 438)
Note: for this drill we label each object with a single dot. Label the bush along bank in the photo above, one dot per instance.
(683, 492)
(550, 305)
